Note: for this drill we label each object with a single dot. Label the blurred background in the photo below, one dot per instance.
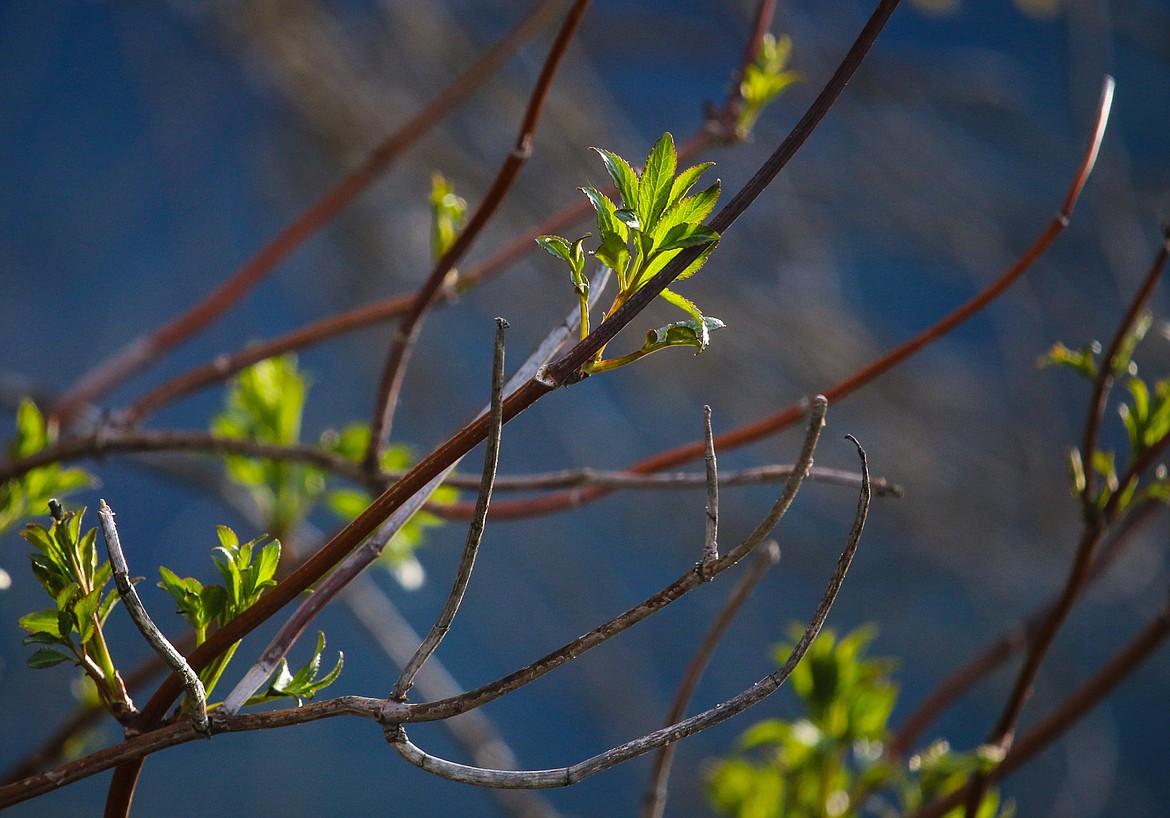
(148, 149)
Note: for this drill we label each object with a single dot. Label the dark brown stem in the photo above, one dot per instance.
(1065, 715)
(1105, 375)
(147, 349)
(793, 413)
(408, 331)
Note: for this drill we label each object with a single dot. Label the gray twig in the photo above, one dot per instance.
(710, 540)
(654, 799)
(565, 776)
(445, 708)
(150, 631)
(475, 531)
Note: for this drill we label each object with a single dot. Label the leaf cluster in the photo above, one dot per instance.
(66, 564)
(822, 763)
(27, 495)
(658, 218)
(764, 80)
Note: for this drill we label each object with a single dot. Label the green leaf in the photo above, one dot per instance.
(682, 236)
(691, 210)
(684, 304)
(41, 622)
(556, 246)
(624, 178)
(694, 333)
(656, 182)
(1082, 361)
(47, 657)
(448, 215)
(686, 180)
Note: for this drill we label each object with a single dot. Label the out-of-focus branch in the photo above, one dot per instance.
(408, 331)
(654, 799)
(146, 349)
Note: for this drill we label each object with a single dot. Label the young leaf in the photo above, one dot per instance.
(47, 657)
(686, 180)
(656, 182)
(624, 177)
(694, 333)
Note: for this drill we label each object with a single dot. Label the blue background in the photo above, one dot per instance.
(149, 149)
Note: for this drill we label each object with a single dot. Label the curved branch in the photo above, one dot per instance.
(565, 776)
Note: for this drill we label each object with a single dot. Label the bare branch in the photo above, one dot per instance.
(1064, 715)
(369, 551)
(475, 532)
(445, 708)
(175, 661)
(654, 799)
(146, 349)
(565, 776)
(710, 543)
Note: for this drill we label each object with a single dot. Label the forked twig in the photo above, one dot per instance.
(565, 776)
(175, 661)
(491, 459)
(1064, 715)
(654, 799)
(445, 708)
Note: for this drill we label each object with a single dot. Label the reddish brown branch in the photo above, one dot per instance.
(147, 349)
(1105, 375)
(408, 332)
(1065, 715)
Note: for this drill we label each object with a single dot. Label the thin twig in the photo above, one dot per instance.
(445, 708)
(475, 731)
(175, 661)
(147, 441)
(565, 776)
(491, 459)
(408, 331)
(654, 799)
(146, 349)
(710, 539)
